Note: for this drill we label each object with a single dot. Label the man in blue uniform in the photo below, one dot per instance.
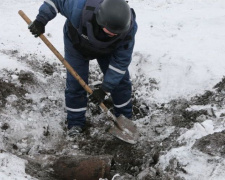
(94, 29)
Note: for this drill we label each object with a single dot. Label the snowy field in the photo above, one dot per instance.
(179, 53)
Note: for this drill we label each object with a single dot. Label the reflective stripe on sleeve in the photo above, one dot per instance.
(117, 70)
(52, 4)
(122, 105)
(76, 110)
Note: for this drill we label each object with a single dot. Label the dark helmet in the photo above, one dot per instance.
(114, 15)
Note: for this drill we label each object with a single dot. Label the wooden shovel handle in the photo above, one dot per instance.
(66, 64)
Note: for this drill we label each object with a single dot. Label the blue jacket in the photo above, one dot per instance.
(72, 10)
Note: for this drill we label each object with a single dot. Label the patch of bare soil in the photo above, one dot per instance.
(7, 89)
(212, 144)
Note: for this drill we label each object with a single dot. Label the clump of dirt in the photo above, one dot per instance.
(174, 167)
(187, 118)
(140, 111)
(182, 116)
(5, 126)
(212, 144)
(204, 99)
(36, 169)
(26, 77)
(220, 86)
(210, 97)
(7, 89)
(48, 68)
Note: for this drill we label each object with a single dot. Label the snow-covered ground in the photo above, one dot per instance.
(179, 44)
(182, 43)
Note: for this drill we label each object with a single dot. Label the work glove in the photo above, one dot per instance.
(36, 28)
(97, 96)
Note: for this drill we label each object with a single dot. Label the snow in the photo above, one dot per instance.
(182, 43)
(196, 164)
(12, 168)
(179, 43)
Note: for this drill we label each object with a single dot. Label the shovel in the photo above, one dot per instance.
(122, 128)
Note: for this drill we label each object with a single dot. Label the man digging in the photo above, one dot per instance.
(95, 29)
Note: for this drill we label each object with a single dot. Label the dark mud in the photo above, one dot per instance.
(7, 89)
(212, 144)
(26, 77)
(37, 170)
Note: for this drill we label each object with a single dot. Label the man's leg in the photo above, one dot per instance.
(121, 95)
(75, 95)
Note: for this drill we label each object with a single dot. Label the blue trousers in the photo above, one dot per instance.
(76, 96)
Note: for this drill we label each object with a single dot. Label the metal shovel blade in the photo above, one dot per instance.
(127, 131)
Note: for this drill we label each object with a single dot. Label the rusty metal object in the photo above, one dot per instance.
(83, 167)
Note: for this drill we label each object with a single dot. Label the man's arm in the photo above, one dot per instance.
(47, 12)
(71, 9)
(119, 63)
